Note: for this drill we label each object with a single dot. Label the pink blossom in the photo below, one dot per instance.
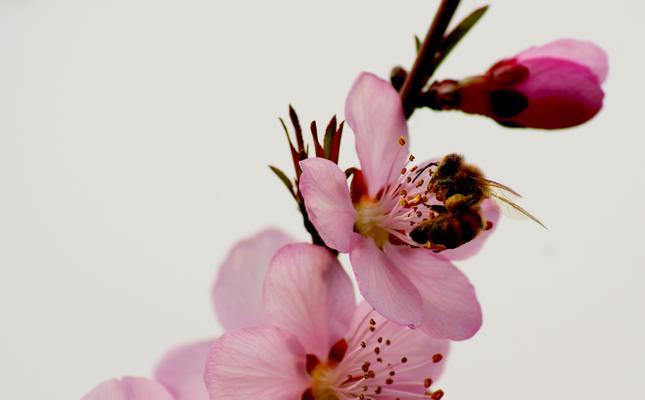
(181, 371)
(318, 345)
(128, 388)
(236, 293)
(404, 282)
(237, 300)
(557, 85)
(179, 376)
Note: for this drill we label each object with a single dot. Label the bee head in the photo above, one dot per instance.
(450, 165)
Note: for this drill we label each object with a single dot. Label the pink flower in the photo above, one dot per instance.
(179, 376)
(554, 86)
(237, 300)
(318, 344)
(407, 284)
(128, 388)
(181, 371)
(237, 291)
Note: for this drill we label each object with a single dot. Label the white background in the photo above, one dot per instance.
(134, 139)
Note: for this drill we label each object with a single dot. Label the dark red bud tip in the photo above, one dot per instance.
(318, 148)
(312, 363)
(334, 151)
(337, 352)
(397, 77)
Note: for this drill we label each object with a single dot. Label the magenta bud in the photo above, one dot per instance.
(554, 86)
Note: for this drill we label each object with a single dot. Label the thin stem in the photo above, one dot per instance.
(424, 64)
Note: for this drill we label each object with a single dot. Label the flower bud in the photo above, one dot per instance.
(397, 77)
(554, 86)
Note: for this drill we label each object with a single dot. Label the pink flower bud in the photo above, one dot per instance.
(554, 86)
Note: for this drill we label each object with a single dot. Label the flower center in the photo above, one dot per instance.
(372, 366)
(322, 382)
(369, 221)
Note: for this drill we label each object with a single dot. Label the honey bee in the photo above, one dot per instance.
(461, 188)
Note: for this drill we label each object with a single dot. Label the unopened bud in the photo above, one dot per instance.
(397, 77)
(554, 86)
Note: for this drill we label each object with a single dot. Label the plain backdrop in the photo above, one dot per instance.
(134, 142)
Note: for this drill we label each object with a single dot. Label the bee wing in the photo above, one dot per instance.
(505, 190)
(513, 210)
(505, 197)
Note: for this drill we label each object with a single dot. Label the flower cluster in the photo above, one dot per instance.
(294, 329)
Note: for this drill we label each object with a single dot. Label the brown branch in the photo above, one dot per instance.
(424, 64)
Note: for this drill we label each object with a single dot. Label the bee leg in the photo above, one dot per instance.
(438, 248)
(435, 247)
(458, 202)
(432, 164)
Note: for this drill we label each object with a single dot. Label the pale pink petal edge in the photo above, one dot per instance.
(328, 203)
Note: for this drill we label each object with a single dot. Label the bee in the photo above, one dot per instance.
(446, 230)
(460, 188)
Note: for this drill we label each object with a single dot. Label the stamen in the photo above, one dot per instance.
(366, 366)
(380, 374)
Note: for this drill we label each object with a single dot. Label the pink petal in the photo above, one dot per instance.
(582, 52)
(329, 206)
(560, 94)
(374, 112)
(491, 213)
(383, 284)
(308, 293)
(450, 306)
(237, 292)
(413, 344)
(181, 371)
(256, 363)
(128, 388)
